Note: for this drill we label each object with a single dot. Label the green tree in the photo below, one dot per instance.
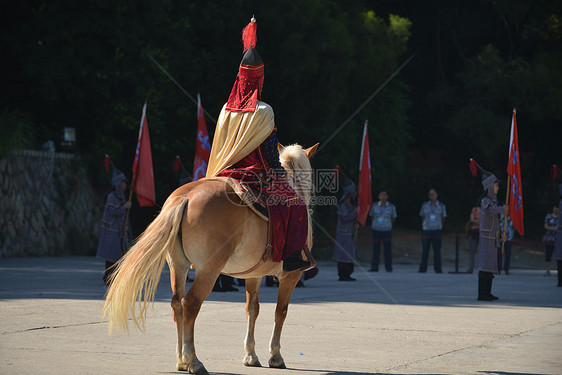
(85, 65)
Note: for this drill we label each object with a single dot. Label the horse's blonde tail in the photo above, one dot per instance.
(138, 272)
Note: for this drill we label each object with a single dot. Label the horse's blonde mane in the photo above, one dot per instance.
(299, 175)
(299, 171)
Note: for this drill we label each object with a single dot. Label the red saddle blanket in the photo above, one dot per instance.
(287, 212)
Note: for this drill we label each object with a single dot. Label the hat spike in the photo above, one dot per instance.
(250, 35)
(472, 167)
(554, 172)
(106, 162)
(177, 164)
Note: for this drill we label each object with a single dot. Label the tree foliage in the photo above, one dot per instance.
(86, 65)
(477, 61)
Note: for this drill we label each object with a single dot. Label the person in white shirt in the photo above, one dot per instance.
(383, 215)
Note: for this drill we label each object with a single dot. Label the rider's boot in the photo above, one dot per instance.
(295, 262)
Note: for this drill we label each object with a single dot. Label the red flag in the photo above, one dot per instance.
(514, 171)
(143, 175)
(365, 197)
(202, 145)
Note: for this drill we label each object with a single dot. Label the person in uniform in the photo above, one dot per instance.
(558, 240)
(549, 238)
(489, 235)
(345, 247)
(245, 148)
(472, 227)
(113, 230)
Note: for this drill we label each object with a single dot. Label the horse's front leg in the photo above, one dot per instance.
(191, 304)
(287, 283)
(252, 312)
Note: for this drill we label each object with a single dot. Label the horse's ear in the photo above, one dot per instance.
(311, 150)
(280, 147)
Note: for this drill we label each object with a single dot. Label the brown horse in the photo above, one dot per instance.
(203, 224)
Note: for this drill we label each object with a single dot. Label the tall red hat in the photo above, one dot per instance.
(249, 81)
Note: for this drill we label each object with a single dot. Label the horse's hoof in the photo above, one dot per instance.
(198, 370)
(277, 362)
(201, 371)
(194, 367)
(251, 361)
(181, 366)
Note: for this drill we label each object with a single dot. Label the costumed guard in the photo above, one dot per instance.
(184, 177)
(245, 148)
(113, 231)
(345, 246)
(489, 234)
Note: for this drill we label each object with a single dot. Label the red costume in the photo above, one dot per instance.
(287, 211)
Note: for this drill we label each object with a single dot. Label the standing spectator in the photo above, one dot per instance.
(113, 240)
(551, 226)
(473, 224)
(433, 214)
(558, 241)
(507, 247)
(345, 248)
(383, 214)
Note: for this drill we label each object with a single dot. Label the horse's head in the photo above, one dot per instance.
(299, 171)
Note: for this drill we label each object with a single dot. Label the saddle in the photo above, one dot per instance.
(253, 198)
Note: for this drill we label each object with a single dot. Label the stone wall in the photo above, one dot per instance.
(47, 206)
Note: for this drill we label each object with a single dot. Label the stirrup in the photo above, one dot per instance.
(299, 265)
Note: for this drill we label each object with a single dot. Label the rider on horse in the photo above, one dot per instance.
(245, 148)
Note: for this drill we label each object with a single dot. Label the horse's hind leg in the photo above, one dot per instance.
(179, 265)
(287, 283)
(191, 304)
(252, 312)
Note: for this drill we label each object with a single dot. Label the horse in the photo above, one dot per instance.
(202, 224)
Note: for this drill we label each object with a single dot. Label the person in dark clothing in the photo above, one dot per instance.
(113, 240)
(558, 241)
(549, 238)
(345, 246)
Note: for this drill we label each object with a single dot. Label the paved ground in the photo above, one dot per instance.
(389, 323)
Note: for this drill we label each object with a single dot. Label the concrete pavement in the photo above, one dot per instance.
(388, 323)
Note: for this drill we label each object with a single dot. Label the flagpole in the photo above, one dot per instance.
(130, 201)
(134, 171)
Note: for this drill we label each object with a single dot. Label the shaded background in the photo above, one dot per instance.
(85, 65)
